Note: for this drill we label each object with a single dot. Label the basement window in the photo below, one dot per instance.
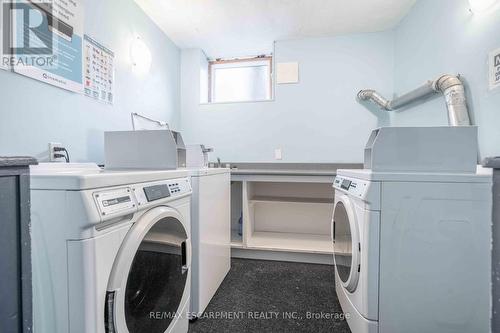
(240, 80)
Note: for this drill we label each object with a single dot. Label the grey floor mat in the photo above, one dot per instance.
(271, 296)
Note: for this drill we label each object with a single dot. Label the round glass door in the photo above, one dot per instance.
(149, 275)
(345, 247)
(157, 278)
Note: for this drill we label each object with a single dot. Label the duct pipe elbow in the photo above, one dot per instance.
(375, 97)
(453, 91)
(446, 81)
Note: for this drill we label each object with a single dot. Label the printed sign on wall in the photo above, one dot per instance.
(3, 63)
(495, 69)
(46, 40)
(99, 71)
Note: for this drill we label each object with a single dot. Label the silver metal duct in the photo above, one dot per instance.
(449, 85)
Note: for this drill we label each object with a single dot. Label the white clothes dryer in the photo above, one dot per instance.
(111, 249)
(412, 251)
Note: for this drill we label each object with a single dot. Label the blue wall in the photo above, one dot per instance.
(444, 37)
(316, 120)
(33, 113)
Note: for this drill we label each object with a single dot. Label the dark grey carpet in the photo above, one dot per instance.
(270, 296)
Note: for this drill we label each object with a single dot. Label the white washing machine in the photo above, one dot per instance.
(111, 250)
(210, 233)
(412, 251)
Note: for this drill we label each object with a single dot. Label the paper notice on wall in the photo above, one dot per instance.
(2, 65)
(46, 41)
(99, 71)
(495, 69)
(4, 56)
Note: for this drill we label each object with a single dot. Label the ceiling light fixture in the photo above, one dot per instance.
(479, 6)
(140, 55)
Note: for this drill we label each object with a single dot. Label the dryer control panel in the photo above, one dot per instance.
(167, 189)
(354, 187)
(121, 201)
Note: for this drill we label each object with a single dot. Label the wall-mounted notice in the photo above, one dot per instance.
(46, 41)
(99, 71)
(495, 69)
(3, 64)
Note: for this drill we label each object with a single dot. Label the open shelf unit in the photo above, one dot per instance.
(282, 214)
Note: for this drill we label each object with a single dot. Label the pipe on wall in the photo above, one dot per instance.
(450, 86)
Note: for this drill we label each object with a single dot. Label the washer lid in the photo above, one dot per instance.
(84, 176)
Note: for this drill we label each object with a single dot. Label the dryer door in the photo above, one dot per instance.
(148, 282)
(346, 246)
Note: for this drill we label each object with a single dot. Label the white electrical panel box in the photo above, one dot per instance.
(287, 72)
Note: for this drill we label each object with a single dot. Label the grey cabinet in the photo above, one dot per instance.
(15, 254)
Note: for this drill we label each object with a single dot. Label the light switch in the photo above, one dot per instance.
(278, 154)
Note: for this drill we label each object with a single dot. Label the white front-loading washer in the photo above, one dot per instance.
(111, 249)
(412, 251)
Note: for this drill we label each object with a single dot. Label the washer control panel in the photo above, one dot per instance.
(354, 187)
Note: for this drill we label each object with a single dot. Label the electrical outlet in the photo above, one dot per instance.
(52, 152)
(278, 154)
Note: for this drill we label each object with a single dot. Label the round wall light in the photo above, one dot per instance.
(479, 6)
(140, 55)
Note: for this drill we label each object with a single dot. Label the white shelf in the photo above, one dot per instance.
(292, 200)
(291, 242)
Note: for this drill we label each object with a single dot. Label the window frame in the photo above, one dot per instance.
(212, 63)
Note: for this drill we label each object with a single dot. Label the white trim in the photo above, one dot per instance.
(237, 63)
(239, 102)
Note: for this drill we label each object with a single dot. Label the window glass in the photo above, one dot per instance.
(240, 81)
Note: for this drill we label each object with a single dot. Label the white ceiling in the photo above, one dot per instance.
(230, 28)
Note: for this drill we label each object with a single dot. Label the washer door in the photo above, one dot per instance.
(346, 246)
(149, 275)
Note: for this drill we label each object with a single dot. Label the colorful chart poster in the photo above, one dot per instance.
(47, 41)
(99, 71)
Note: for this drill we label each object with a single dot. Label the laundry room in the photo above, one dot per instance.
(171, 166)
